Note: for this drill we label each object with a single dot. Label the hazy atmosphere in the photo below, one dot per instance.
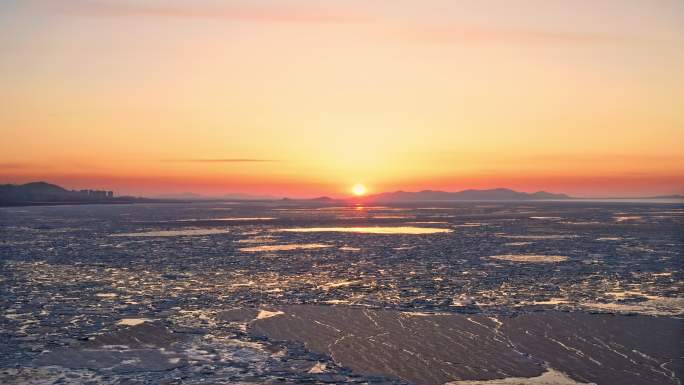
(306, 98)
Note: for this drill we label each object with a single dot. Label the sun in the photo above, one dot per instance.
(359, 190)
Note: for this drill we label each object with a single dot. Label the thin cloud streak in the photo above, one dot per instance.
(490, 35)
(222, 160)
(425, 34)
(225, 13)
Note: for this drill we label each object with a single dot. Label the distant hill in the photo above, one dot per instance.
(675, 196)
(32, 191)
(324, 198)
(36, 193)
(40, 187)
(499, 194)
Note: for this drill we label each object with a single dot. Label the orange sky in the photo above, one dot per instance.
(306, 98)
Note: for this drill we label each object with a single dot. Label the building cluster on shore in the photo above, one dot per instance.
(96, 194)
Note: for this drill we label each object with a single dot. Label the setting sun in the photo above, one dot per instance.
(359, 190)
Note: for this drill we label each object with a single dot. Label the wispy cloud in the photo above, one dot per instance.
(322, 13)
(607, 157)
(224, 12)
(222, 160)
(459, 34)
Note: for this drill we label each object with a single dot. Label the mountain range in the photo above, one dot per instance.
(47, 193)
(498, 194)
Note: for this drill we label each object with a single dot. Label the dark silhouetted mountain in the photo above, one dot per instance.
(46, 193)
(38, 187)
(499, 194)
(675, 196)
(31, 192)
(322, 199)
(548, 195)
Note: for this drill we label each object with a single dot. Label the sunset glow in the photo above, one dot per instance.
(303, 99)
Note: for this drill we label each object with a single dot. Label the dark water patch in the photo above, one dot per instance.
(431, 349)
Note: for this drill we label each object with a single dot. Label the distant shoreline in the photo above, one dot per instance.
(108, 202)
(47, 194)
(349, 201)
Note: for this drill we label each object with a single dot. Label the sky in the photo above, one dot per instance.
(307, 98)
